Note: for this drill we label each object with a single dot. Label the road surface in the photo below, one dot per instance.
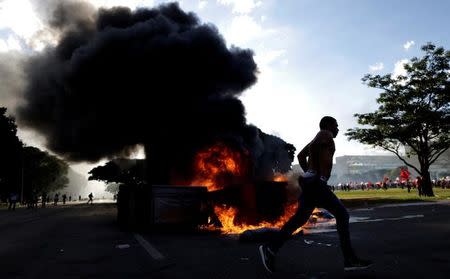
(83, 241)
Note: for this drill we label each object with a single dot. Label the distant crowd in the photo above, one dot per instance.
(44, 199)
(408, 184)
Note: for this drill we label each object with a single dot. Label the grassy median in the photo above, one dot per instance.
(356, 198)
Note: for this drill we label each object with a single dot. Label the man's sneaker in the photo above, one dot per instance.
(357, 264)
(267, 257)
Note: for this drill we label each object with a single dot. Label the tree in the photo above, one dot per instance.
(112, 188)
(120, 171)
(413, 118)
(10, 150)
(108, 173)
(24, 169)
(43, 173)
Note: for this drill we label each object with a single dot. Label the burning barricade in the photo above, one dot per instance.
(220, 197)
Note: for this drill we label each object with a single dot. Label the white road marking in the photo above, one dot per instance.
(441, 202)
(309, 242)
(325, 227)
(155, 254)
(366, 220)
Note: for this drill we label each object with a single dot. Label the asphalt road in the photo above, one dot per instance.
(83, 241)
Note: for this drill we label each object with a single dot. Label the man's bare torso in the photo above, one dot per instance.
(319, 153)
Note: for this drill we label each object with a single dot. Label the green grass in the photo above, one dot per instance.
(356, 198)
(359, 198)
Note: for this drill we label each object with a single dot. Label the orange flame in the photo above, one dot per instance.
(226, 216)
(278, 177)
(215, 164)
(219, 166)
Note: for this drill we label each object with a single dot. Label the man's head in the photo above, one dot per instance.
(330, 124)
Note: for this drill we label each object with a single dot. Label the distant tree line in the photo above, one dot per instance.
(25, 170)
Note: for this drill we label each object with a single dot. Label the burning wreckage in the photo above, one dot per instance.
(230, 201)
(220, 195)
(161, 79)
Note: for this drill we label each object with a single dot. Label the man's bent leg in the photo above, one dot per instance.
(329, 201)
(306, 206)
(268, 251)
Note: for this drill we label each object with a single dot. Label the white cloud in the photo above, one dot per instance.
(268, 61)
(399, 68)
(244, 29)
(10, 44)
(408, 44)
(241, 6)
(202, 4)
(269, 57)
(13, 44)
(263, 18)
(376, 67)
(20, 17)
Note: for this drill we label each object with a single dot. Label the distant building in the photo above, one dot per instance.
(363, 167)
(350, 166)
(358, 164)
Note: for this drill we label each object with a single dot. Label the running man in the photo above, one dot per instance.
(316, 159)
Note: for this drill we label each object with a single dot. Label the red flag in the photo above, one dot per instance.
(404, 174)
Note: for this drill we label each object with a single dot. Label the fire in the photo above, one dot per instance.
(216, 166)
(220, 166)
(226, 216)
(280, 177)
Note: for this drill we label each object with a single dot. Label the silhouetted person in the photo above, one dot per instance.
(44, 199)
(79, 198)
(70, 198)
(316, 159)
(419, 185)
(91, 198)
(56, 199)
(12, 199)
(32, 201)
(64, 198)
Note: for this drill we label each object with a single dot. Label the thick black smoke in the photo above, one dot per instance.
(11, 79)
(157, 77)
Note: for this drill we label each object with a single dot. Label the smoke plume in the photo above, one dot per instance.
(11, 79)
(157, 77)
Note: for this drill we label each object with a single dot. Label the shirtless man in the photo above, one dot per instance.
(316, 159)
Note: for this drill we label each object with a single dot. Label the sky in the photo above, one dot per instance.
(311, 55)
